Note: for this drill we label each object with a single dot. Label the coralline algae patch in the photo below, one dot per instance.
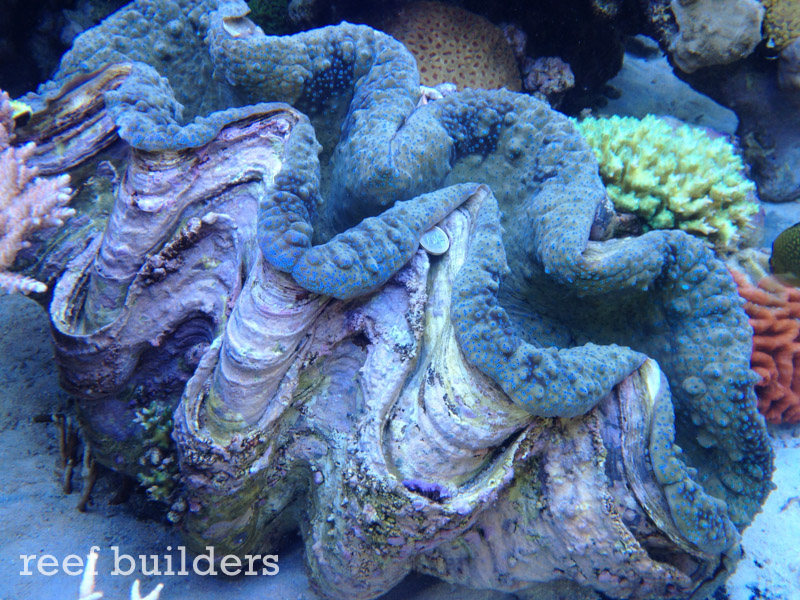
(674, 177)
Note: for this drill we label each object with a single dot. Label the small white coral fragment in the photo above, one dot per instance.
(86, 590)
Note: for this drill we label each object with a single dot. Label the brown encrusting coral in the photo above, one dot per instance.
(781, 22)
(774, 311)
(453, 45)
(27, 203)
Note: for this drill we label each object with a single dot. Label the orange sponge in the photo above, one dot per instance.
(456, 46)
(774, 311)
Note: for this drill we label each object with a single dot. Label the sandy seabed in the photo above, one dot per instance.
(37, 518)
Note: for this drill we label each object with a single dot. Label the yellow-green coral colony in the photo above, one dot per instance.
(674, 177)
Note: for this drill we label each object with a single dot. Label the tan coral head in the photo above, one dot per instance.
(454, 45)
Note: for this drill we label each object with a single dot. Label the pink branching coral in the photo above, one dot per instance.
(27, 203)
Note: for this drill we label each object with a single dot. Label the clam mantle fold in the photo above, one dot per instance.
(504, 416)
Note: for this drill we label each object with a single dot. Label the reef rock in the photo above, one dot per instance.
(505, 415)
(768, 128)
(714, 32)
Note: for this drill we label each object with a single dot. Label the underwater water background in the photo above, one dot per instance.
(614, 72)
